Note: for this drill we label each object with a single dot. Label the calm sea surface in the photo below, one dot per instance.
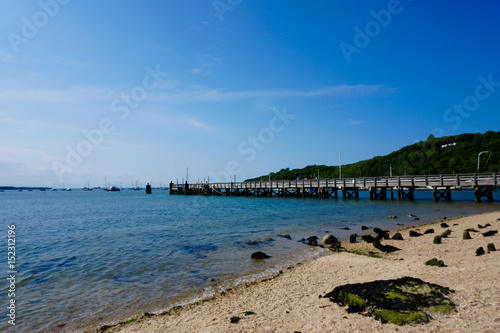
(89, 258)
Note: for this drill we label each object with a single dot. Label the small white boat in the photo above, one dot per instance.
(68, 189)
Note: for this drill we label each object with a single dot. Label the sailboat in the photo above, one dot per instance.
(137, 187)
(87, 187)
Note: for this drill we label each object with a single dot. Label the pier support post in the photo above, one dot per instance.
(379, 193)
(406, 194)
(350, 193)
(206, 189)
(483, 191)
(441, 193)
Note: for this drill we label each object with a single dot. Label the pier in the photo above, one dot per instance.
(379, 188)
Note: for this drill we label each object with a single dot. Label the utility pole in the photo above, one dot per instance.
(340, 165)
(478, 156)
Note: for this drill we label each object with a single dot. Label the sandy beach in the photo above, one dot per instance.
(291, 302)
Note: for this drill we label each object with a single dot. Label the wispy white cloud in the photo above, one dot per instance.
(36, 159)
(206, 65)
(357, 122)
(38, 124)
(74, 94)
(7, 57)
(197, 124)
(222, 95)
(73, 62)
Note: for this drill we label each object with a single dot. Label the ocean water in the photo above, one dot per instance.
(89, 258)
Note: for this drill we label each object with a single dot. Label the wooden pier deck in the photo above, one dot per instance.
(378, 187)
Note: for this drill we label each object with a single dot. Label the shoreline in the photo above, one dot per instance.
(289, 301)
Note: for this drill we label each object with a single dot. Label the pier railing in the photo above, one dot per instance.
(364, 183)
(482, 183)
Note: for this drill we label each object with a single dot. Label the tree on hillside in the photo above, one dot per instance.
(444, 155)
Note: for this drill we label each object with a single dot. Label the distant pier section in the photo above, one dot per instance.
(379, 188)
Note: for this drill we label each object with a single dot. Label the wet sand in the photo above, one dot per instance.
(290, 302)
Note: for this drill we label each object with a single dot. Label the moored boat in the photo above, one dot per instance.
(113, 189)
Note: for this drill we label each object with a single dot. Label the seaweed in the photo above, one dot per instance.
(399, 301)
(435, 262)
(446, 234)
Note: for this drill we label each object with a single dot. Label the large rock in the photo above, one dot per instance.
(384, 248)
(312, 241)
(380, 233)
(490, 233)
(330, 241)
(352, 238)
(397, 236)
(259, 255)
(404, 301)
(414, 233)
(368, 238)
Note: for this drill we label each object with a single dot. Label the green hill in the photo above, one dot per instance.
(445, 155)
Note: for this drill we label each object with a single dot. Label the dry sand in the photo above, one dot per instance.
(291, 303)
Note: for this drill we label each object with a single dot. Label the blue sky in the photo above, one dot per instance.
(141, 91)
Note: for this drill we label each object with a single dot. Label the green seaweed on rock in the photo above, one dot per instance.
(435, 262)
(400, 317)
(399, 301)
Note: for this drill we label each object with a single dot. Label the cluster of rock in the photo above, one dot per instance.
(329, 241)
